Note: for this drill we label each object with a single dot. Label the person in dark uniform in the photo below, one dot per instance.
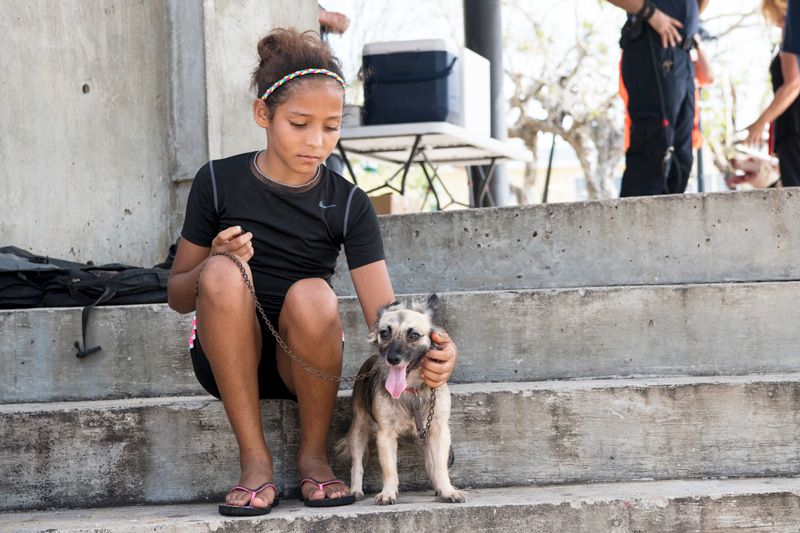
(659, 75)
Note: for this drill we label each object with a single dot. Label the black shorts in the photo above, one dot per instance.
(270, 384)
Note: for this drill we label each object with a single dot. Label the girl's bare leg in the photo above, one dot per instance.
(310, 324)
(231, 339)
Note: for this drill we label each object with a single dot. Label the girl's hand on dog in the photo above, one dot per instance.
(233, 241)
(438, 364)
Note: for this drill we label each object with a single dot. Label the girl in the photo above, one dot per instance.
(284, 216)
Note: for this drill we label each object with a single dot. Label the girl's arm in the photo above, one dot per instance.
(784, 96)
(374, 289)
(186, 267)
(189, 260)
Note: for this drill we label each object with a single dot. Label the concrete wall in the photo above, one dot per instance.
(230, 58)
(227, 31)
(108, 107)
(83, 169)
(188, 143)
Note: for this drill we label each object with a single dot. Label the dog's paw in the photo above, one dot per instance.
(385, 498)
(454, 496)
(358, 494)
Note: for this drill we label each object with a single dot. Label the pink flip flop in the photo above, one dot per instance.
(249, 510)
(326, 502)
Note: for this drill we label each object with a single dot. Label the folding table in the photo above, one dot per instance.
(426, 144)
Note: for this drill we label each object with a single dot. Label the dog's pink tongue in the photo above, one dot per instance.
(396, 382)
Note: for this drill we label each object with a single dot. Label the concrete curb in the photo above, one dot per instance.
(712, 329)
(711, 505)
(693, 238)
(181, 449)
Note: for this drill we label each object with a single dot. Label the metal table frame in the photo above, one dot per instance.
(426, 144)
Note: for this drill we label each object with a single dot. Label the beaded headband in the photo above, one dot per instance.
(299, 73)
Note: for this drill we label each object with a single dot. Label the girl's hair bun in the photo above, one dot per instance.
(284, 51)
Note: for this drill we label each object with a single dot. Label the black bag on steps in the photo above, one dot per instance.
(28, 280)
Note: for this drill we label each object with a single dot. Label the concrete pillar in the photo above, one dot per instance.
(213, 52)
(108, 108)
(232, 30)
(188, 129)
(214, 46)
(483, 34)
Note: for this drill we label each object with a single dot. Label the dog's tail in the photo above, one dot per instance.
(343, 449)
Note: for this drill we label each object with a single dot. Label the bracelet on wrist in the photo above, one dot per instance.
(647, 11)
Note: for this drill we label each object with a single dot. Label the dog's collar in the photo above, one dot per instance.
(416, 404)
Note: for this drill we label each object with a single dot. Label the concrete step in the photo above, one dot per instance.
(747, 236)
(710, 329)
(180, 449)
(742, 505)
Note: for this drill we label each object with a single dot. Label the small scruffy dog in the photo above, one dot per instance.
(383, 404)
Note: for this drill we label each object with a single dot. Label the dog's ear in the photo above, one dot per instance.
(389, 307)
(432, 307)
(372, 336)
(373, 331)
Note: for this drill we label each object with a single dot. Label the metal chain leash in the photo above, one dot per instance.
(422, 434)
(416, 402)
(294, 357)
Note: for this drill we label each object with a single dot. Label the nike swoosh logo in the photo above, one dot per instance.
(323, 206)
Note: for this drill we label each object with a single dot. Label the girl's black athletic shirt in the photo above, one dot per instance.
(297, 233)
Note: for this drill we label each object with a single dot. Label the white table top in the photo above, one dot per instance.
(443, 143)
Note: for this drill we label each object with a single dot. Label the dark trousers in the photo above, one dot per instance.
(646, 173)
(788, 151)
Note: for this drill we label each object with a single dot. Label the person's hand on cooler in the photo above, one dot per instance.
(333, 22)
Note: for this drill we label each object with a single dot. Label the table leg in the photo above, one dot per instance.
(387, 184)
(343, 153)
(430, 185)
(435, 176)
(487, 180)
(408, 163)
